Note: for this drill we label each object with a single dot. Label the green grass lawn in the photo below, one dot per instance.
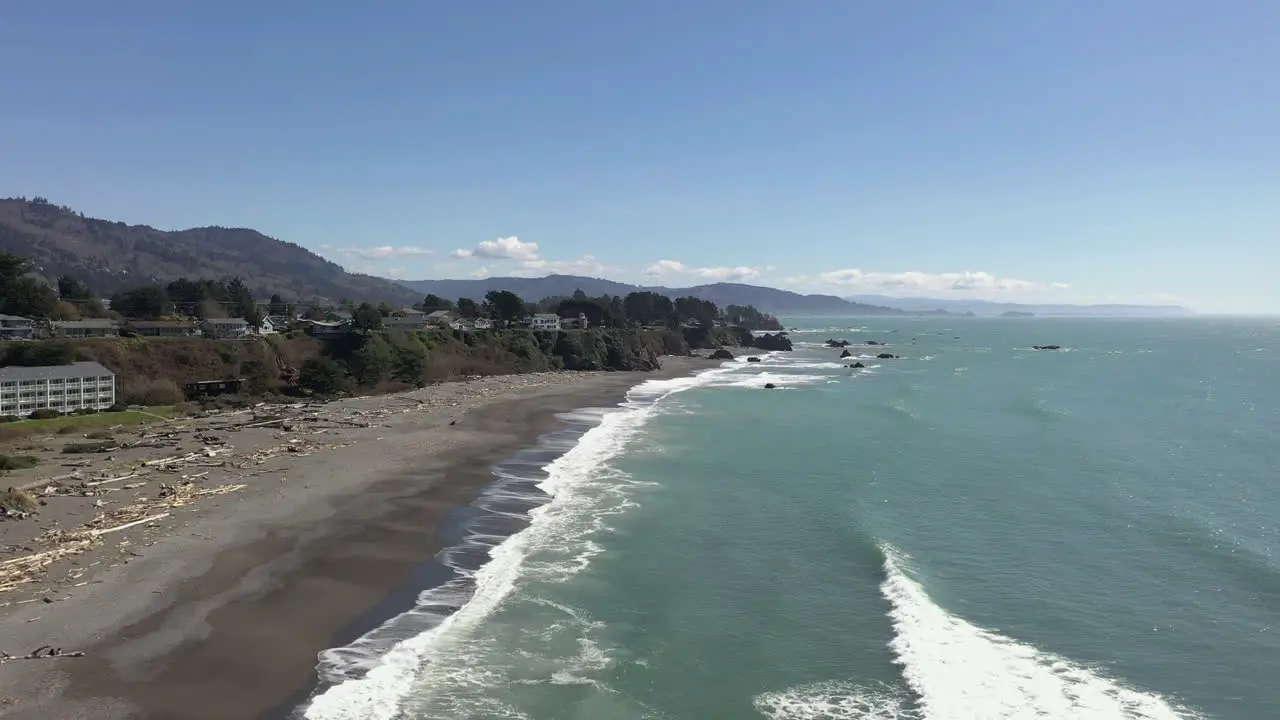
(85, 423)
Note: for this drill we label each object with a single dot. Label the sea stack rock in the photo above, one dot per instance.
(845, 353)
(887, 356)
(753, 359)
(778, 341)
(721, 354)
(770, 386)
(857, 365)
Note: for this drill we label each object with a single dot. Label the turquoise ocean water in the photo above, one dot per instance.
(974, 531)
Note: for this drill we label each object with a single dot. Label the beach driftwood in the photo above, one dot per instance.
(43, 652)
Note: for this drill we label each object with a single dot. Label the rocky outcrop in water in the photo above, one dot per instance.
(838, 343)
(857, 365)
(773, 342)
(753, 359)
(721, 354)
(845, 354)
(1046, 347)
(873, 342)
(887, 356)
(770, 386)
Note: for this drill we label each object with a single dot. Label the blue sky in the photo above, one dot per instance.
(1063, 150)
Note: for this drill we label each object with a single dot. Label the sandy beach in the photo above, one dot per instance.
(273, 541)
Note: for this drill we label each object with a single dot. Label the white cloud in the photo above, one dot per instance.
(666, 268)
(586, 265)
(385, 252)
(481, 272)
(914, 282)
(508, 248)
(728, 274)
(397, 273)
(674, 269)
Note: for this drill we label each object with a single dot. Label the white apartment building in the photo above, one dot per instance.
(545, 321)
(226, 328)
(64, 388)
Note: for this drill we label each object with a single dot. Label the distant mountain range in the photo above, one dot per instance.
(990, 307)
(110, 256)
(778, 302)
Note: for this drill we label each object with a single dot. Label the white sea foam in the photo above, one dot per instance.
(827, 330)
(836, 700)
(813, 365)
(374, 673)
(960, 671)
(760, 379)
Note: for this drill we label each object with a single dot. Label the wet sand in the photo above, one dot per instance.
(223, 617)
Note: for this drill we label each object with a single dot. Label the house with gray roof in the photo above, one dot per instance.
(85, 328)
(16, 327)
(164, 328)
(226, 328)
(65, 388)
(441, 318)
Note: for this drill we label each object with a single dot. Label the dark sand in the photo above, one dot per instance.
(227, 623)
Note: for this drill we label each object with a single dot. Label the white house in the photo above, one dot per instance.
(15, 327)
(545, 321)
(226, 328)
(64, 388)
(482, 324)
(268, 327)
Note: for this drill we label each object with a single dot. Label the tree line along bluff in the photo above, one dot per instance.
(366, 348)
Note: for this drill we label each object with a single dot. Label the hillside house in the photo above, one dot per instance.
(545, 322)
(64, 388)
(321, 329)
(410, 312)
(578, 322)
(16, 327)
(268, 327)
(482, 324)
(226, 328)
(418, 322)
(84, 328)
(164, 328)
(441, 318)
(281, 323)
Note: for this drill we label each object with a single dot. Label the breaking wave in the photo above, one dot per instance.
(955, 670)
(369, 678)
(959, 671)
